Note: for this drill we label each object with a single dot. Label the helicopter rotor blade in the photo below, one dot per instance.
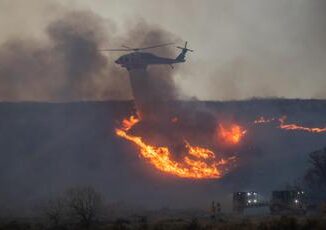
(115, 49)
(152, 47)
(137, 49)
(127, 47)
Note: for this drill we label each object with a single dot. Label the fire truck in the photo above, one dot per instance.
(244, 200)
(288, 202)
(282, 202)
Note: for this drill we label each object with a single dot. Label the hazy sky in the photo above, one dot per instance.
(243, 48)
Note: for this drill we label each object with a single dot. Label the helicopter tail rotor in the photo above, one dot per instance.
(182, 55)
(185, 48)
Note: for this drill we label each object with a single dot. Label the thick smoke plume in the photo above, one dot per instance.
(67, 65)
(257, 48)
(161, 83)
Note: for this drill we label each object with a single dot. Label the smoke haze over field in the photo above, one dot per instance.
(243, 49)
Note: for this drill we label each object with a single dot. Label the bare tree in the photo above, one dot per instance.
(84, 204)
(55, 213)
(316, 174)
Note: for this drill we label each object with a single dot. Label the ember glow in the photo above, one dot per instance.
(231, 134)
(262, 120)
(290, 126)
(129, 123)
(199, 163)
(174, 119)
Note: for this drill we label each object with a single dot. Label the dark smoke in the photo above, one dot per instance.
(76, 39)
(66, 67)
(161, 83)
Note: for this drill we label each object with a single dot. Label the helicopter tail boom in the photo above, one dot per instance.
(182, 55)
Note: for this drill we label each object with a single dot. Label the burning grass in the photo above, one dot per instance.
(195, 161)
(198, 163)
(231, 134)
(289, 126)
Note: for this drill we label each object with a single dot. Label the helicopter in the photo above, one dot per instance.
(140, 60)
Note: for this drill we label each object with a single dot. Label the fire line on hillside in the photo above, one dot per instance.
(199, 162)
(289, 127)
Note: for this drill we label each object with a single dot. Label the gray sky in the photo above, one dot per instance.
(243, 48)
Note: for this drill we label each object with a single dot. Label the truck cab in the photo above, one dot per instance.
(288, 202)
(243, 200)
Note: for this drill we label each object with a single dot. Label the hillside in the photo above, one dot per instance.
(48, 147)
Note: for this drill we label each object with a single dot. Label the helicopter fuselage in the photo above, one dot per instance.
(140, 60)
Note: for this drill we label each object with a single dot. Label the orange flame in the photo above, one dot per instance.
(199, 163)
(293, 127)
(127, 124)
(232, 134)
(199, 152)
(298, 127)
